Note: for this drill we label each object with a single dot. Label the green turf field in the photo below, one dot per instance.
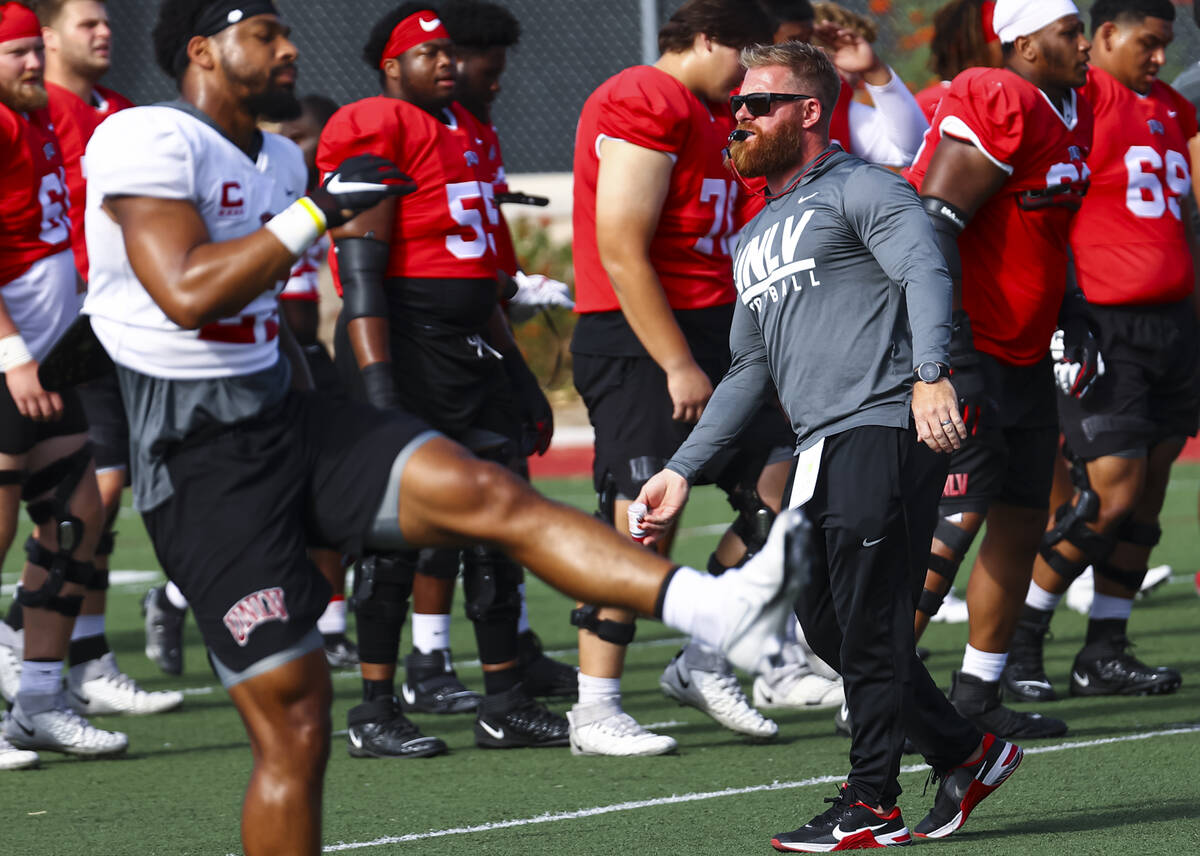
(1124, 779)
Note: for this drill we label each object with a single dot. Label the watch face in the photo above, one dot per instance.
(928, 372)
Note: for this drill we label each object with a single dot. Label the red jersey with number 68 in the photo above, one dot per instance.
(1128, 239)
(1014, 250)
(439, 230)
(34, 220)
(691, 246)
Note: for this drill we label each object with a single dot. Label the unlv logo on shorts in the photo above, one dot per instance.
(254, 609)
(233, 202)
(956, 485)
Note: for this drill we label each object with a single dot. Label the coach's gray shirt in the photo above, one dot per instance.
(842, 292)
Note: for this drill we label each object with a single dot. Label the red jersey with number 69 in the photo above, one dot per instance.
(439, 230)
(691, 246)
(1128, 238)
(1014, 250)
(34, 219)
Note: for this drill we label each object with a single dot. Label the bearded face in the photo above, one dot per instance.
(23, 92)
(767, 152)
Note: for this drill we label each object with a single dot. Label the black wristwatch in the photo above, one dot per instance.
(931, 372)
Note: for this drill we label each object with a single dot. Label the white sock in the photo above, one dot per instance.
(333, 619)
(431, 632)
(592, 690)
(39, 678)
(1105, 606)
(87, 625)
(1038, 598)
(523, 621)
(983, 664)
(693, 604)
(175, 596)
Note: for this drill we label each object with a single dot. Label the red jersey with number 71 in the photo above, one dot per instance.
(34, 222)
(439, 230)
(691, 247)
(1128, 238)
(1014, 250)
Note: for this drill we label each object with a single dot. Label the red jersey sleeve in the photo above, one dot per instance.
(351, 131)
(648, 111)
(983, 110)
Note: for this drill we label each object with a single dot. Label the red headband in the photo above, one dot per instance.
(17, 22)
(416, 29)
(989, 11)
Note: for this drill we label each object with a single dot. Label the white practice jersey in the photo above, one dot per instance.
(168, 153)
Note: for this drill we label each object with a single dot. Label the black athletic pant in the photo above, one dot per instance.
(873, 514)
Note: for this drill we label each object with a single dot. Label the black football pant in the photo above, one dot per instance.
(873, 512)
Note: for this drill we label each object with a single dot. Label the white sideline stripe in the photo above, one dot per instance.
(115, 578)
(708, 795)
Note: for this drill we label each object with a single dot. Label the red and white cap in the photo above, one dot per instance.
(416, 29)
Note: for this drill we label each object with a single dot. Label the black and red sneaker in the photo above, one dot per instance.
(964, 787)
(845, 826)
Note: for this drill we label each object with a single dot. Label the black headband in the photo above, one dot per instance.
(219, 15)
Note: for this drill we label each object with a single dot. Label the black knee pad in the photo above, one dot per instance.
(60, 569)
(616, 632)
(443, 564)
(490, 583)
(382, 587)
(1139, 534)
(959, 541)
(1129, 579)
(99, 580)
(754, 518)
(1070, 525)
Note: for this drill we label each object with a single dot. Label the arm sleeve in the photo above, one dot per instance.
(733, 402)
(131, 157)
(885, 212)
(891, 132)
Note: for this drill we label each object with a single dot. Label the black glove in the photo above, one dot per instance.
(536, 415)
(1078, 363)
(379, 385)
(965, 373)
(359, 183)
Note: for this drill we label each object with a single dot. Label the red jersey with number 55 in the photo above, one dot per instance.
(34, 220)
(1128, 238)
(1014, 250)
(691, 246)
(439, 230)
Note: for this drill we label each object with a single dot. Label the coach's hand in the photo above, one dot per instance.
(32, 401)
(935, 412)
(690, 390)
(664, 496)
(359, 183)
(1078, 363)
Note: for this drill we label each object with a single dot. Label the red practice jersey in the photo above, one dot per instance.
(930, 97)
(1014, 250)
(74, 122)
(34, 204)
(482, 145)
(691, 247)
(440, 229)
(1128, 238)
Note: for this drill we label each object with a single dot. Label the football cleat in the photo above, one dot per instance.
(98, 687)
(512, 719)
(164, 631)
(979, 701)
(1155, 578)
(59, 729)
(377, 729)
(1024, 676)
(846, 825)
(12, 758)
(431, 685)
(964, 787)
(340, 652)
(791, 683)
(952, 611)
(701, 678)
(1110, 668)
(841, 721)
(602, 728)
(11, 654)
(541, 676)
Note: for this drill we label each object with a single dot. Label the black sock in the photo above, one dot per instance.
(378, 689)
(1102, 630)
(715, 566)
(87, 648)
(501, 681)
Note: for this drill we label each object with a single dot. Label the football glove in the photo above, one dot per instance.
(535, 293)
(1078, 363)
(537, 418)
(359, 183)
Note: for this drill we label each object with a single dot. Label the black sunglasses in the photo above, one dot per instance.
(759, 103)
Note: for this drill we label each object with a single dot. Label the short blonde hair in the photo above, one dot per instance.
(809, 65)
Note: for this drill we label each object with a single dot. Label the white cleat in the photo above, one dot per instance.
(953, 610)
(60, 729)
(1155, 577)
(702, 679)
(1081, 591)
(792, 683)
(12, 652)
(759, 597)
(602, 728)
(12, 758)
(98, 687)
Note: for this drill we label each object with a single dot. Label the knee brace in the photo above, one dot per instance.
(1131, 580)
(959, 541)
(616, 632)
(382, 586)
(490, 585)
(754, 518)
(1070, 525)
(104, 547)
(440, 564)
(1139, 534)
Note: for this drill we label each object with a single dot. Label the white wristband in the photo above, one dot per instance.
(298, 226)
(13, 352)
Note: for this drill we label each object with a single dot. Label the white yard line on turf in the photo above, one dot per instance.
(709, 795)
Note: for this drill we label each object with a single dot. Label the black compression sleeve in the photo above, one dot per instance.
(362, 265)
(948, 222)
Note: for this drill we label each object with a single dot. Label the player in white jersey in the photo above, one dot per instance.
(194, 217)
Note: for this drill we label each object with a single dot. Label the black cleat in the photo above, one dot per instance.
(964, 787)
(164, 630)
(845, 826)
(340, 652)
(379, 730)
(1024, 677)
(979, 701)
(431, 686)
(541, 676)
(512, 719)
(1108, 667)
